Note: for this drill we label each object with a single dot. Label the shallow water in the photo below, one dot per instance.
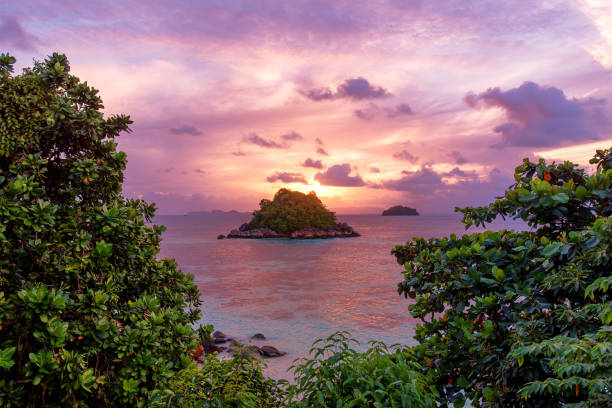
(295, 291)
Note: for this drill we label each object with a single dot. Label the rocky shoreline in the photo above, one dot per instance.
(342, 230)
(225, 345)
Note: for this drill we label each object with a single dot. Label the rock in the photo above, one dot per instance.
(269, 351)
(220, 340)
(211, 347)
(219, 335)
(220, 236)
(258, 336)
(244, 227)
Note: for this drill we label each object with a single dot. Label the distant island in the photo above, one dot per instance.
(400, 210)
(214, 212)
(292, 214)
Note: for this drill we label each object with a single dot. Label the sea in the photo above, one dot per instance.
(297, 291)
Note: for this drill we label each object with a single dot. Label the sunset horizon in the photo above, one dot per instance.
(370, 105)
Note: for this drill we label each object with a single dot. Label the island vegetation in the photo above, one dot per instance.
(400, 210)
(293, 214)
(89, 317)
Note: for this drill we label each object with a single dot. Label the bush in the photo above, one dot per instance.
(338, 376)
(291, 210)
(88, 315)
(238, 383)
(521, 319)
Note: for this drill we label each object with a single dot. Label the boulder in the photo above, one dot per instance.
(244, 227)
(269, 351)
(219, 335)
(258, 336)
(220, 236)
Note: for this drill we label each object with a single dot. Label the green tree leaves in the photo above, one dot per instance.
(88, 315)
(522, 317)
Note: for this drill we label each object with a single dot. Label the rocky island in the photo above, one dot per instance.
(294, 215)
(400, 210)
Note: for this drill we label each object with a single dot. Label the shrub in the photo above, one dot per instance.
(521, 319)
(291, 210)
(88, 315)
(338, 376)
(238, 383)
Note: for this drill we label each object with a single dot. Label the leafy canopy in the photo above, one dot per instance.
(88, 315)
(521, 319)
(291, 210)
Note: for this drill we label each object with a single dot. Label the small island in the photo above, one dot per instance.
(293, 215)
(400, 210)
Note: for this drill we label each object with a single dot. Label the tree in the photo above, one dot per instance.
(291, 210)
(521, 319)
(88, 315)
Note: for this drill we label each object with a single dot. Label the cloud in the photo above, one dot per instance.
(168, 170)
(322, 151)
(373, 110)
(254, 138)
(199, 171)
(339, 175)
(292, 136)
(286, 178)
(316, 164)
(186, 130)
(365, 113)
(457, 157)
(374, 169)
(542, 115)
(423, 181)
(318, 141)
(354, 88)
(13, 35)
(400, 110)
(457, 172)
(405, 155)
(239, 153)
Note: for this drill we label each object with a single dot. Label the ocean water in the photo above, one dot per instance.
(295, 291)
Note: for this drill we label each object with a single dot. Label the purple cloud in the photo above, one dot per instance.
(457, 157)
(316, 164)
(13, 35)
(322, 151)
(339, 175)
(254, 138)
(423, 181)
(186, 130)
(541, 115)
(374, 169)
(199, 171)
(286, 178)
(354, 88)
(405, 155)
(292, 136)
(373, 110)
(400, 110)
(318, 141)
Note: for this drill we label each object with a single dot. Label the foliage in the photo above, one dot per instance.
(291, 210)
(88, 315)
(400, 210)
(338, 376)
(520, 319)
(238, 382)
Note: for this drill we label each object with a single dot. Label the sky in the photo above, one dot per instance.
(429, 104)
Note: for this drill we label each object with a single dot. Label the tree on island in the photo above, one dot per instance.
(88, 315)
(291, 211)
(400, 210)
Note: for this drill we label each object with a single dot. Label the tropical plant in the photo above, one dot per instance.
(336, 375)
(221, 383)
(88, 315)
(521, 319)
(291, 210)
